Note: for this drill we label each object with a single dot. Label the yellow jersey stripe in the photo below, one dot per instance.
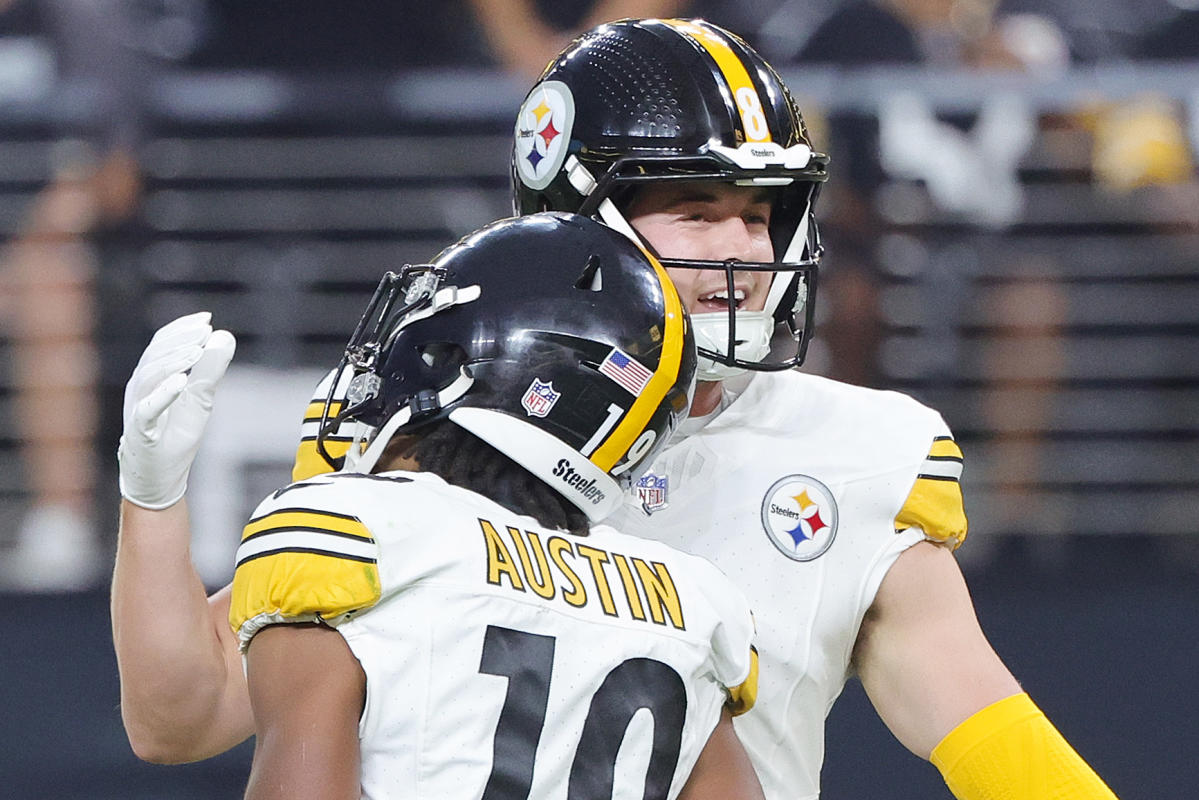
(307, 520)
(643, 408)
(944, 447)
(734, 73)
(935, 507)
(300, 586)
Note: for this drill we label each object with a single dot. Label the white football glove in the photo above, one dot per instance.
(167, 404)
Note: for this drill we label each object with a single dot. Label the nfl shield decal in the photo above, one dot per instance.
(651, 492)
(543, 133)
(800, 517)
(539, 398)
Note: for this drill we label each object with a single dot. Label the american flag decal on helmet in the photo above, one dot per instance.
(622, 368)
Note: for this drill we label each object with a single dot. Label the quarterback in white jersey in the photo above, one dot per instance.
(492, 645)
(834, 507)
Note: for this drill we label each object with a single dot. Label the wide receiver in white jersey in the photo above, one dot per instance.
(439, 618)
(835, 507)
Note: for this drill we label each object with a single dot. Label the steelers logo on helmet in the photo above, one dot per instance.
(800, 517)
(543, 133)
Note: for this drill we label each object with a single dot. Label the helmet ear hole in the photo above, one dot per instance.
(441, 356)
(591, 279)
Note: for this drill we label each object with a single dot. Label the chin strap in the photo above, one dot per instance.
(754, 329)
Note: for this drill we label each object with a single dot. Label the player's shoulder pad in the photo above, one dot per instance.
(305, 556)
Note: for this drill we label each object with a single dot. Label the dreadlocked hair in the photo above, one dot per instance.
(464, 460)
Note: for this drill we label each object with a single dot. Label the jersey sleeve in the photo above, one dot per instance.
(934, 505)
(734, 656)
(309, 461)
(304, 557)
(743, 696)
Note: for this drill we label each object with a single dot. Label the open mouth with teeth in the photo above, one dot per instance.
(719, 301)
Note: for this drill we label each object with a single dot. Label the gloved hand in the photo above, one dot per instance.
(167, 404)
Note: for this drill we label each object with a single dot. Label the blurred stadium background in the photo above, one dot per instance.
(1012, 225)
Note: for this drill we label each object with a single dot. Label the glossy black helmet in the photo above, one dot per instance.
(636, 101)
(551, 337)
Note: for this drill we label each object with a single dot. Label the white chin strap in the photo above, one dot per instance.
(754, 329)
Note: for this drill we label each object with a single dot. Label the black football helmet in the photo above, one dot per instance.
(635, 101)
(551, 337)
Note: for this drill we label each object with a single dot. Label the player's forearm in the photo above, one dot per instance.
(179, 686)
(1010, 750)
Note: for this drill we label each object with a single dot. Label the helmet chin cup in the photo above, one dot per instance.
(754, 329)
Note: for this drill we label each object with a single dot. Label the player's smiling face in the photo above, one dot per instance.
(710, 221)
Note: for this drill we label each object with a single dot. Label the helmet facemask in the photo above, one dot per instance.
(417, 292)
(774, 338)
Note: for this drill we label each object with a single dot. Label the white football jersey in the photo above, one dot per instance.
(502, 659)
(804, 491)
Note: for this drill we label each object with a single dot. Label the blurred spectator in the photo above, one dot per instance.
(968, 165)
(1143, 141)
(1139, 142)
(51, 267)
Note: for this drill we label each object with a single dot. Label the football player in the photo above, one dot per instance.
(439, 618)
(835, 507)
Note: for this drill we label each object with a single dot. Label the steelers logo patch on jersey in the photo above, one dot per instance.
(543, 132)
(800, 517)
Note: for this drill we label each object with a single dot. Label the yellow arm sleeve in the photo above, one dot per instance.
(1011, 751)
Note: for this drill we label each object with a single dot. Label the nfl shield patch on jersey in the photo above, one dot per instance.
(651, 492)
(800, 517)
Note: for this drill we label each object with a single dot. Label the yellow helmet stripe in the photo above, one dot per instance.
(749, 103)
(637, 417)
